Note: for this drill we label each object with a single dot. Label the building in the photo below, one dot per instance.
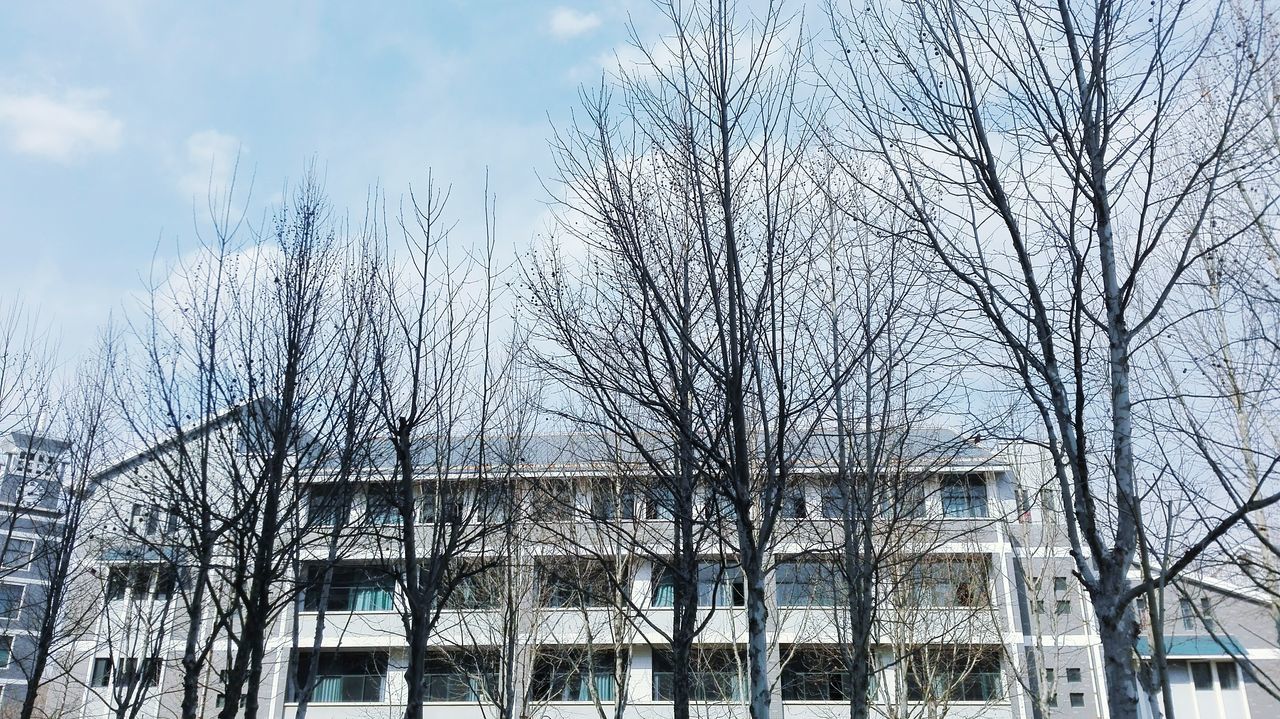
(560, 605)
(31, 468)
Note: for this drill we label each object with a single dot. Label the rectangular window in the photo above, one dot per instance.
(476, 587)
(955, 581)
(718, 586)
(117, 582)
(964, 497)
(1077, 699)
(807, 583)
(328, 506)
(440, 503)
(714, 676)
(574, 676)
(1074, 675)
(140, 582)
(6, 650)
(459, 677)
(1059, 584)
(661, 504)
(17, 553)
(344, 676)
(954, 673)
(815, 675)
(493, 502)
(101, 675)
(794, 505)
(381, 505)
(1206, 612)
(1187, 612)
(568, 582)
(166, 583)
(10, 600)
(351, 589)
(1063, 607)
(835, 501)
(613, 500)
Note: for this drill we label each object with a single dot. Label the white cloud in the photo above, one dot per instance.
(210, 163)
(58, 128)
(566, 22)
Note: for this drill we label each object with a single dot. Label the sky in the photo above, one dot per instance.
(115, 116)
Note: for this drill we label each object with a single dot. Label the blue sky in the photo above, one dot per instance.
(113, 115)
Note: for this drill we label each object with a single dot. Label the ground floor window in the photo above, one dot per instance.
(817, 674)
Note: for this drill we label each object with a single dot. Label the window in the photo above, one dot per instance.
(964, 497)
(718, 586)
(459, 677)
(1039, 606)
(1206, 612)
(381, 504)
(166, 582)
(150, 520)
(953, 673)
(351, 589)
(716, 504)
(835, 501)
(476, 587)
(557, 499)
(806, 582)
(140, 582)
(1048, 500)
(17, 553)
(574, 677)
(611, 500)
(101, 675)
(903, 498)
(1059, 584)
(329, 506)
(117, 582)
(812, 675)
(1048, 676)
(957, 581)
(440, 503)
(6, 651)
(661, 504)
(1187, 611)
(1074, 675)
(567, 582)
(1077, 699)
(793, 503)
(714, 676)
(1227, 677)
(10, 600)
(354, 677)
(1063, 607)
(493, 502)
(130, 672)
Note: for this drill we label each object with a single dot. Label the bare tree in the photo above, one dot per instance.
(1037, 151)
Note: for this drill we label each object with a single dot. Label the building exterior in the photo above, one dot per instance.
(560, 605)
(31, 469)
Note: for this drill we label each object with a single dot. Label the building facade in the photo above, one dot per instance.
(559, 601)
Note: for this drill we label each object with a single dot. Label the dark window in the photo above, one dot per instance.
(661, 504)
(964, 497)
(140, 582)
(1063, 606)
(101, 675)
(714, 676)
(569, 582)
(1059, 584)
(493, 502)
(441, 503)
(806, 582)
(1074, 674)
(1227, 677)
(351, 589)
(610, 500)
(835, 501)
(794, 505)
(6, 650)
(1206, 612)
(459, 677)
(476, 587)
(813, 675)
(344, 676)
(166, 582)
(381, 504)
(117, 582)
(574, 677)
(10, 600)
(953, 673)
(17, 553)
(1077, 699)
(329, 506)
(718, 586)
(1202, 675)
